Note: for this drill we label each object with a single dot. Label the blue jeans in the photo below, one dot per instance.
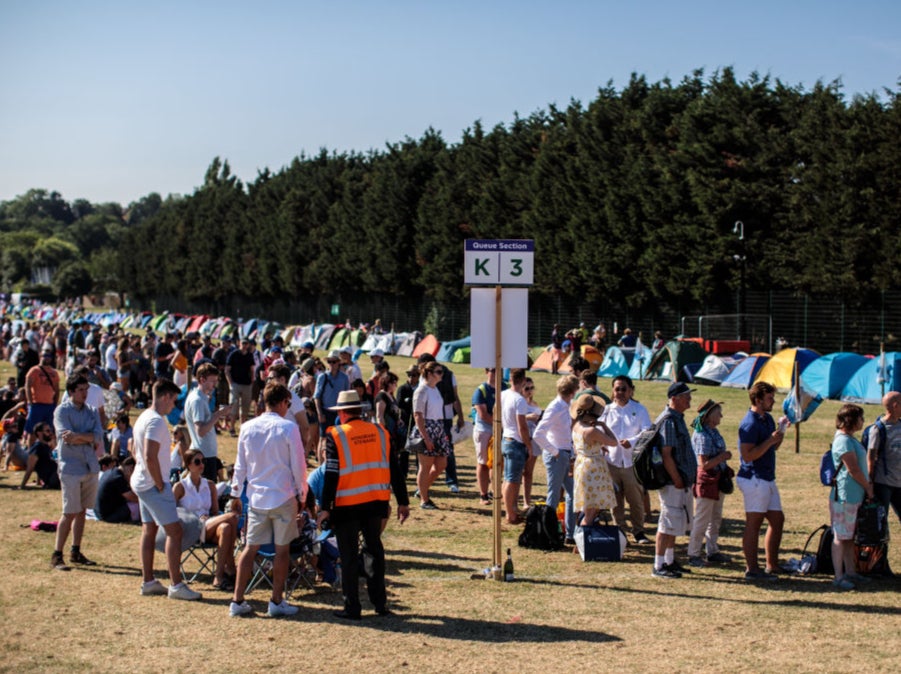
(557, 468)
(515, 456)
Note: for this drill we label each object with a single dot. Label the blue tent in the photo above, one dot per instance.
(640, 361)
(616, 362)
(865, 386)
(448, 349)
(827, 376)
(744, 373)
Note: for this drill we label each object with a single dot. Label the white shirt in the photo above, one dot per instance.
(626, 423)
(271, 459)
(427, 401)
(150, 426)
(513, 405)
(554, 431)
(111, 362)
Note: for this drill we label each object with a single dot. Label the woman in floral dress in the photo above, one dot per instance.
(591, 438)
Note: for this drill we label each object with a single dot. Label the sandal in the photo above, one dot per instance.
(227, 585)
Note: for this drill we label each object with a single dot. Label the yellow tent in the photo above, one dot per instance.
(779, 369)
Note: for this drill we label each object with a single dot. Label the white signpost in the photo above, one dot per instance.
(499, 331)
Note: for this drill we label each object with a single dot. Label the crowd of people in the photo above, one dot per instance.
(292, 410)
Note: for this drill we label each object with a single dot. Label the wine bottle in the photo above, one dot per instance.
(508, 568)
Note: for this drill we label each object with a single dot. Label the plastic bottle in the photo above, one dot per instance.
(508, 568)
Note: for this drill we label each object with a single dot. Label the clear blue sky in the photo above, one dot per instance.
(110, 100)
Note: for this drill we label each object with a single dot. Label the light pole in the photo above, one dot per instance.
(740, 258)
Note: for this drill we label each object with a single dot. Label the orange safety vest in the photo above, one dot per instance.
(364, 473)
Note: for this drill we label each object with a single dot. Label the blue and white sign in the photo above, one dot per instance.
(506, 262)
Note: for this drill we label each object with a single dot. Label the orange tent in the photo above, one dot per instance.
(429, 344)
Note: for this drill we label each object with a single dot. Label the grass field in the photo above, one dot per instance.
(560, 613)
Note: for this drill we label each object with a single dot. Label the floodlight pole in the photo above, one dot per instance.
(741, 258)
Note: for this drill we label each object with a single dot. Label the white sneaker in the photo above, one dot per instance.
(182, 591)
(281, 609)
(152, 588)
(235, 610)
(454, 489)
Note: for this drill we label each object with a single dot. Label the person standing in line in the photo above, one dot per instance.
(758, 441)
(627, 419)
(554, 436)
(272, 461)
(682, 467)
(80, 442)
(150, 483)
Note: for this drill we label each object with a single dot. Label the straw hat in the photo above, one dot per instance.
(586, 405)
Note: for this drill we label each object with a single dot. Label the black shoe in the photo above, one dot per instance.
(641, 539)
(78, 558)
(384, 611)
(57, 562)
(345, 615)
(675, 566)
(666, 571)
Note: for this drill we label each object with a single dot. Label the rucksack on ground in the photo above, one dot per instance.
(821, 561)
(647, 460)
(542, 529)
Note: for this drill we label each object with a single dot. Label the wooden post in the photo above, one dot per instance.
(798, 400)
(497, 468)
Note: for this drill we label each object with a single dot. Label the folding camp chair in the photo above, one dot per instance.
(204, 555)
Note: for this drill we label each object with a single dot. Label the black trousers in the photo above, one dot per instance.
(347, 533)
(889, 496)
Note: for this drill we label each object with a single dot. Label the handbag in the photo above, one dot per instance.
(414, 444)
(727, 486)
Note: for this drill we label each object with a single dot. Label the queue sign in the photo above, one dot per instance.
(504, 262)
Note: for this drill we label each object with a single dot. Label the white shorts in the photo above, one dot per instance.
(761, 496)
(480, 441)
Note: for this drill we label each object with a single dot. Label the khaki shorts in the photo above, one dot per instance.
(675, 511)
(278, 525)
(79, 492)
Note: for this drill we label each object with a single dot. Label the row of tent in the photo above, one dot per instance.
(839, 376)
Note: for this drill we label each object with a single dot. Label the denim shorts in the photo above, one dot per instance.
(158, 506)
(515, 455)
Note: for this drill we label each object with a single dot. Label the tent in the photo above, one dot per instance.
(589, 353)
(429, 344)
(616, 362)
(543, 362)
(669, 362)
(462, 355)
(448, 349)
(715, 369)
(865, 385)
(640, 360)
(828, 375)
(323, 335)
(779, 370)
(744, 373)
(406, 343)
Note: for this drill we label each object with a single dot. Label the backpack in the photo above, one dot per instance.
(473, 413)
(821, 562)
(828, 471)
(542, 529)
(879, 426)
(647, 459)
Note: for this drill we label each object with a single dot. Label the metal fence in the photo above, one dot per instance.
(823, 323)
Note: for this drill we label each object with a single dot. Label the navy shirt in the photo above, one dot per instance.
(755, 429)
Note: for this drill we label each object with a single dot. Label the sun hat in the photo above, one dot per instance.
(679, 388)
(347, 400)
(586, 405)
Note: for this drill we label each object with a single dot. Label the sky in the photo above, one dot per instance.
(110, 100)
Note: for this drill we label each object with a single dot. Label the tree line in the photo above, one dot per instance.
(631, 198)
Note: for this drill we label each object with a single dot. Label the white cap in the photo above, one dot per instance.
(377, 352)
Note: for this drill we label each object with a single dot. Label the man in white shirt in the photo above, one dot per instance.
(517, 445)
(627, 419)
(554, 436)
(271, 460)
(150, 483)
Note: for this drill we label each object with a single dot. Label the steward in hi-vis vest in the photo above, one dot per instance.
(360, 472)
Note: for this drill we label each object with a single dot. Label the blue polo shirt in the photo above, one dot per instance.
(754, 429)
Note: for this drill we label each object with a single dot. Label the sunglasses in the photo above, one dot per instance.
(197, 461)
(528, 388)
(437, 370)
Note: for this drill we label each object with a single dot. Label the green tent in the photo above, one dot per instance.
(669, 362)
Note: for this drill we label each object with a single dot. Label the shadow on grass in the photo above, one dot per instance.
(773, 601)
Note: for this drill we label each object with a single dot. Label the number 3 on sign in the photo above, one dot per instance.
(516, 269)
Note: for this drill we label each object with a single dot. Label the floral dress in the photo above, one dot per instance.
(593, 486)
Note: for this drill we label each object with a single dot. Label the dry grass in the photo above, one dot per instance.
(613, 616)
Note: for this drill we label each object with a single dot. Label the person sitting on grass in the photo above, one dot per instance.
(116, 502)
(198, 495)
(40, 458)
